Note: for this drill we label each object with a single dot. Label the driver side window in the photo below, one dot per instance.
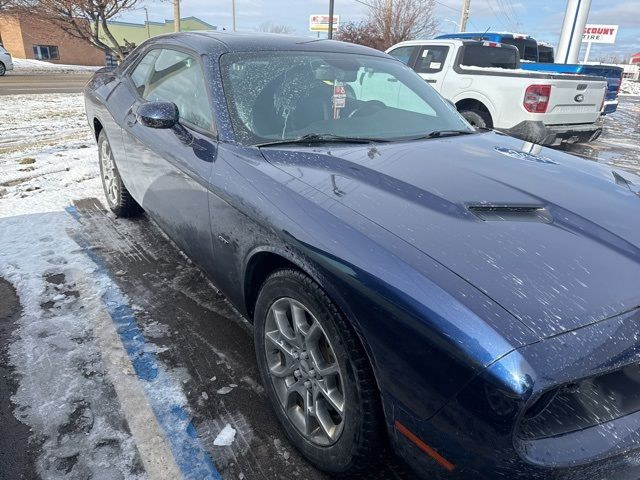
(173, 76)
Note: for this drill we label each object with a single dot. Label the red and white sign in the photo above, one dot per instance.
(600, 33)
(320, 23)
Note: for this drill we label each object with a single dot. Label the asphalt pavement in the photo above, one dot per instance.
(14, 84)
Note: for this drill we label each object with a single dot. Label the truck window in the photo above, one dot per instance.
(403, 53)
(431, 59)
(497, 57)
(527, 47)
(545, 54)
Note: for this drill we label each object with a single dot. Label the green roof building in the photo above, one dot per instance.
(136, 33)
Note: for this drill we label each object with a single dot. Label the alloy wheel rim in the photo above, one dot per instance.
(304, 371)
(109, 173)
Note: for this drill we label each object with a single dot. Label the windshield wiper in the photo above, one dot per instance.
(443, 133)
(322, 138)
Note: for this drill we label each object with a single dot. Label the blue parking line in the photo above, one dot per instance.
(191, 457)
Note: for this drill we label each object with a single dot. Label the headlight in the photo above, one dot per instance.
(583, 404)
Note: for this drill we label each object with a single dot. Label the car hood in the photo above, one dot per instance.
(552, 238)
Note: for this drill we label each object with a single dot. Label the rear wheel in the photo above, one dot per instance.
(477, 118)
(118, 197)
(3, 69)
(317, 375)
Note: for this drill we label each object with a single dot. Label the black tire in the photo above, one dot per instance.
(361, 443)
(477, 118)
(3, 69)
(119, 200)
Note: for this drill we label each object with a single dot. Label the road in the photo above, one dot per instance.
(12, 84)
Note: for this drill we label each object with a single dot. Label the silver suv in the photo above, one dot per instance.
(5, 61)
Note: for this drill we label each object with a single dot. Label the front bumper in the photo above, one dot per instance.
(550, 135)
(477, 432)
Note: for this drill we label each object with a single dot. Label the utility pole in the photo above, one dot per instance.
(575, 18)
(233, 15)
(176, 15)
(464, 15)
(146, 14)
(330, 32)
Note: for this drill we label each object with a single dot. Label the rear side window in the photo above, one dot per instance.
(431, 59)
(403, 53)
(545, 54)
(172, 76)
(527, 47)
(489, 57)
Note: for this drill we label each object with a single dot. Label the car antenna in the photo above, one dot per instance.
(485, 32)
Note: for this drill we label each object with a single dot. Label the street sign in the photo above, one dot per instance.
(600, 33)
(320, 23)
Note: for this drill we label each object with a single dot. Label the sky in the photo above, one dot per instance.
(541, 19)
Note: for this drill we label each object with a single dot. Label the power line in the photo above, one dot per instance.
(443, 4)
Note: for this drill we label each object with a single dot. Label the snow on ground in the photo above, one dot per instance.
(66, 353)
(47, 154)
(28, 66)
(47, 158)
(630, 88)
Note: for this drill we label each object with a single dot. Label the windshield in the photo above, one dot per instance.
(285, 95)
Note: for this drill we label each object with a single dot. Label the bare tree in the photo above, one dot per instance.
(82, 19)
(269, 27)
(402, 20)
(362, 33)
(392, 21)
(6, 5)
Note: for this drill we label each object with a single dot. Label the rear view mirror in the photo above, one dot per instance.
(158, 114)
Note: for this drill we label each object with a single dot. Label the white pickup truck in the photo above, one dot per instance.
(484, 81)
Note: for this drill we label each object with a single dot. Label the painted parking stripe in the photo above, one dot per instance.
(190, 455)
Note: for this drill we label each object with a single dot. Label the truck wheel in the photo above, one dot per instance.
(477, 118)
(317, 376)
(118, 197)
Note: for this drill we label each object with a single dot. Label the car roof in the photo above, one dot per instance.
(216, 41)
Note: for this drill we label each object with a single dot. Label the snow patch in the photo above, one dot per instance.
(29, 66)
(630, 87)
(225, 437)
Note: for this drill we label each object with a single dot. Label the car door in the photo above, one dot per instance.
(430, 64)
(169, 169)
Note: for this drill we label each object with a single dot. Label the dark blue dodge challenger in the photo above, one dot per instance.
(467, 299)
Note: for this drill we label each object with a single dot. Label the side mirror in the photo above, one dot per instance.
(158, 114)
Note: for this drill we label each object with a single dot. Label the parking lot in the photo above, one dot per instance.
(118, 359)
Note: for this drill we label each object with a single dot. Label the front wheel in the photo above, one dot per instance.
(118, 197)
(3, 69)
(317, 376)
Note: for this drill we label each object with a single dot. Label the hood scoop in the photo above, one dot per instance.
(511, 213)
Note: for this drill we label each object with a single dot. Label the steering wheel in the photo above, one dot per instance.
(367, 108)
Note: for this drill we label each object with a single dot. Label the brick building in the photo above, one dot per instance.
(28, 37)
